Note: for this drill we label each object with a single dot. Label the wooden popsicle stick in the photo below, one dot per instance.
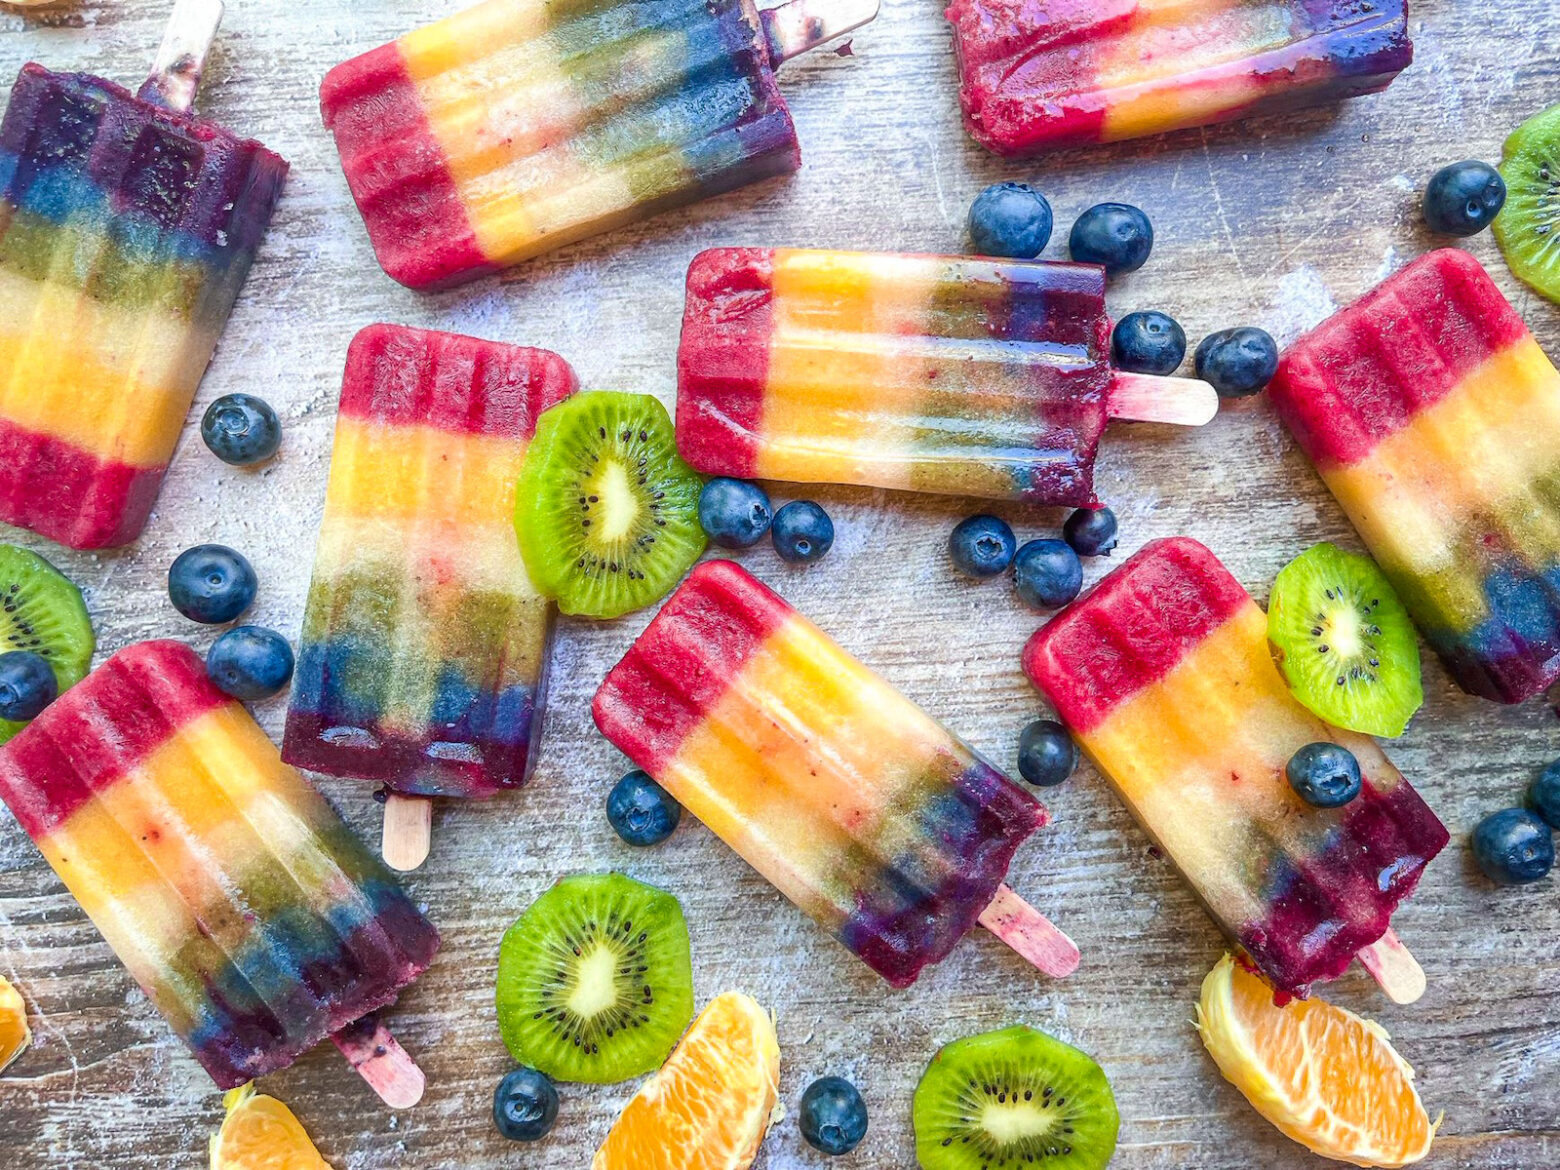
(799, 25)
(180, 59)
(1030, 933)
(1185, 402)
(379, 1059)
(408, 831)
(1394, 967)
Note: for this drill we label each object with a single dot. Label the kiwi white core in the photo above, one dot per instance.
(1343, 627)
(620, 506)
(595, 986)
(1014, 1121)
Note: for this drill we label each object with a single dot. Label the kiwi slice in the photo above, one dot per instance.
(1528, 228)
(595, 981)
(1344, 642)
(606, 510)
(41, 610)
(1013, 1099)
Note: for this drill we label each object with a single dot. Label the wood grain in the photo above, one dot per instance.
(1268, 223)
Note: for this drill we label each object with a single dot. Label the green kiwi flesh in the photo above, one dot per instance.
(41, 610)
(1013, 1099)
(1344, 642)
(606, 511)
(1528, 228)
(595, 980)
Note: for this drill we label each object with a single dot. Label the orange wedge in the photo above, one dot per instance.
(260, 1133)
(14, 1036)
(709, 1106)
(1325, 1077)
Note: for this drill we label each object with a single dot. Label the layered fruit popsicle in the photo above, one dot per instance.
(857, 805)
(1434, 417)
(248, 912)
(424, 654)
(126, 231)
(1164, 676)
(1040, 74)
(519, 126)
(955, 375)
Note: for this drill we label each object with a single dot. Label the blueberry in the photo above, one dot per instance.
(211, 583)
(734, 513)
(1464, 198)
(1117, 235)
(1543, 796)
(833, 1116)
(1048, 573)
(1047, 755)
(1010, 219)
(525, 1105)
(802, 532)
(1514, 847)
(241, 429)
(1148, 343)
(1324, 774)
(982, 546)
(1237, 362)
(642, 812)
(250, 662)
(27, 685)
(1091, 531)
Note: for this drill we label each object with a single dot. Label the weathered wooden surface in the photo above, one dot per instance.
(1268, 223)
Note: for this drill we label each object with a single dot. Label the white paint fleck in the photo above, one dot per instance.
(1391, 261)
(1299, 304)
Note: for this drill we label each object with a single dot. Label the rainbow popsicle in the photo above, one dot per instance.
(1040, 74)
(424, 654)
(1434, 417)
(857, 805)
(243, 906)
(519, 126)
(127, 228)
(954, 375)
(1164, 676)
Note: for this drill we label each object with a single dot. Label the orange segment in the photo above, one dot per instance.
(260, 1133)
(709, 1106)
(14, 1035)
(1325, 1077)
